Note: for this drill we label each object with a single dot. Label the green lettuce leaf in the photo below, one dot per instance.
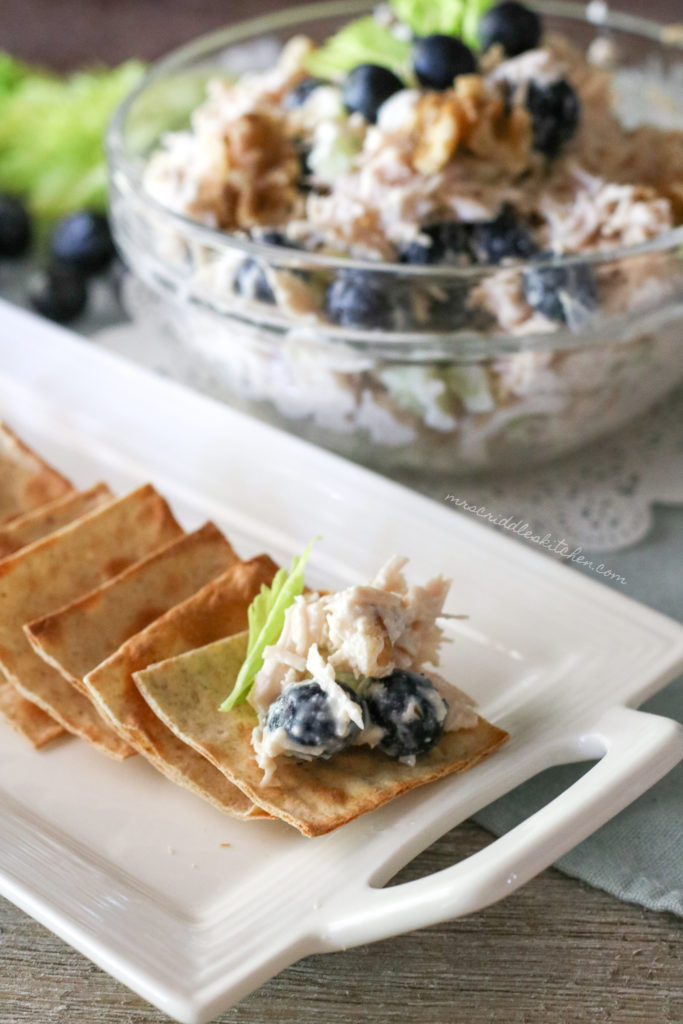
(363, 41)
(266, 617)
(52, 134)
(449, 17)
(11, 73)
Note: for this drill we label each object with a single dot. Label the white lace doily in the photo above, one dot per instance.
(599, 499)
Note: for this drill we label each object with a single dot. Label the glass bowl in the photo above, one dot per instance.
(441, 392)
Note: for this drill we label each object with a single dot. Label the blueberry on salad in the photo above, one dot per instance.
(447, 243)
(563, 294)
(512, 26)
(555, 111)
(367, 87)
(306, 712)
(505, 237)
(58, 293)
(297, 96)
(439, 59)
(272, 237)
(251, 282)
(360, 299)
(15, 227)
(409, 710)
(83, 241)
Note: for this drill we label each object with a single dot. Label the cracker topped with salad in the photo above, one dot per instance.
(233, 679)
(336, 706)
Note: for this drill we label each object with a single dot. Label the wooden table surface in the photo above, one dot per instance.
(556, 952)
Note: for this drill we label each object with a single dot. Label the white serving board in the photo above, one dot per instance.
(130, 869)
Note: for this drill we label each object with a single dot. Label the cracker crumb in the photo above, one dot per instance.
(226, 844)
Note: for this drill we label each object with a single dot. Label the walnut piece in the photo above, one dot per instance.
(261, 170)
(474, 117)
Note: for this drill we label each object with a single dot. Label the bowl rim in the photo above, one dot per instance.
(596, 14)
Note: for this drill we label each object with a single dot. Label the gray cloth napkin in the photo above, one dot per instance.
(638, 855)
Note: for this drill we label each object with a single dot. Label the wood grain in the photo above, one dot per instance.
(556, 952)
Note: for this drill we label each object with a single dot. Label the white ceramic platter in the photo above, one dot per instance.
(132, 871)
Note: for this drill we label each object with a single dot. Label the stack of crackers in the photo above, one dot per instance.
(118, 627)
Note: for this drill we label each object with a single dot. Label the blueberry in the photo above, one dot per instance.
(358, 299)
(367, 87)
(59, 292)
(15, 227)
(272, 237)
(83, 241)
(409, 709)
(563, 294)
(304, 711)
(438, 60)
(513, 26)
(555, 111)
(298, 95)
(448, 307)
(251, 282)
(303, 152)
(506, 237)
(449, 243)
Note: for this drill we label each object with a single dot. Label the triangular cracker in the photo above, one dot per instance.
(23, 530)
(76, 639)
(314, 796)
(217, 610)
(26, 481)
(50, 574)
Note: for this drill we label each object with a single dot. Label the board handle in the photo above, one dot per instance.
(638, 749)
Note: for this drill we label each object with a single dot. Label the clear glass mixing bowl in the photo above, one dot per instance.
(443, 394)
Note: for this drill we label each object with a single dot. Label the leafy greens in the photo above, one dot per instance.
(448, 17)
(363, 41)
(266, 617)
(366, 41)
(52, 134)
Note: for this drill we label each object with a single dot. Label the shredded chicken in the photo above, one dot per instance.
(367, 631)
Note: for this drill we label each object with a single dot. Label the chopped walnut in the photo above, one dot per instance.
(439, 126)
(476, 118)
(261, 171)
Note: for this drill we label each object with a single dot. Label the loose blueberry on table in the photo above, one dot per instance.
(83, 241)
(58, 293)
(15, 227)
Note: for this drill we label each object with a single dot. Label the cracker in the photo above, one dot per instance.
(313, 796)
(50, 574)
(26, 481)
(23, 530)
(76, 639)
(217, 610)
